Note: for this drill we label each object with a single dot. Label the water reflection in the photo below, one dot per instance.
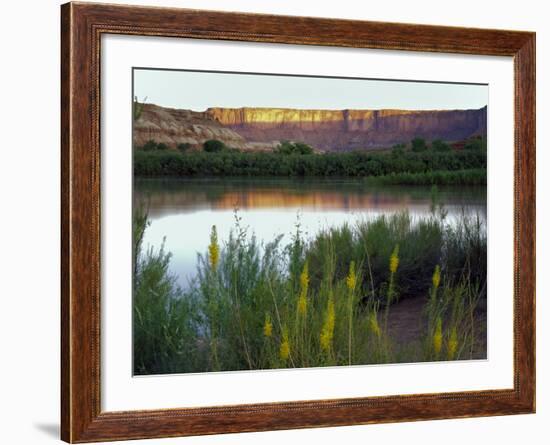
(191, 195)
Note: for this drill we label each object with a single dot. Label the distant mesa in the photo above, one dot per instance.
(262, 129)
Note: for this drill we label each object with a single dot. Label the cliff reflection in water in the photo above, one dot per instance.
(169, 196)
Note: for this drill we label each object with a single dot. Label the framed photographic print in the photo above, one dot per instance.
(276, 222)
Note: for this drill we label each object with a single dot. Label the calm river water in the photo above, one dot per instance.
(183, 211)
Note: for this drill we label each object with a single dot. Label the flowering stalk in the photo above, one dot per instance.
(284, 349)
(327, 331)
(436, 280)
(434, 321)
(214, 249)
(268, 326)
(452, 344)
(436, 277)
(373, 324)
(394, 264)
(213, 304)
(301, 313)
(304, 285)
(437, 337)
(351, 283)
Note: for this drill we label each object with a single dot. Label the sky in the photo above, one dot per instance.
(200, 90)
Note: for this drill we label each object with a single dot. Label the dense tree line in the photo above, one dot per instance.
(233, 163)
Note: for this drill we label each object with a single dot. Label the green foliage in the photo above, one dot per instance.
(139, 225)
(418, 145)
(468, 244)
(293, 148)
(398, 150)
(183, 147)
(450, 314)
(476, 144)
(439, 177)
(420, 249)
(439, 145)
(165, 324)
(150, 145)
(214, 146)
(355, 164)
(314, 302)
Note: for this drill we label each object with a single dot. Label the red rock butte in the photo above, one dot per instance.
(261, 129)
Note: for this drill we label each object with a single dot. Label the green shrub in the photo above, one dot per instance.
(214, 146)
(293, 148)
(183, 147)
(477, 143)
(398, 150)
(164, 323)
(150, 145)
(439, 145)
(418, 145)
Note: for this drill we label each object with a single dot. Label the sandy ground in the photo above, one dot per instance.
(406, 324)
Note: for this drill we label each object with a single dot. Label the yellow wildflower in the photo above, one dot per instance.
(351, 279)
(284, 350)
(373, 324)
(304, 278)
(327, 333)
(325, 339)
(436, 278)
(438, 337)
(268, 326)
(452, 345)
(331, 315)
(214, 249)
(394, 259)
(304, 284)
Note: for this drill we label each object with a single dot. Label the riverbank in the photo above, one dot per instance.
(472, 177)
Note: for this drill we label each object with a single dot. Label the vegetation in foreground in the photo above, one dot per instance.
(323, 301)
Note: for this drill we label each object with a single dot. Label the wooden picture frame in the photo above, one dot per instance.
(82, 25)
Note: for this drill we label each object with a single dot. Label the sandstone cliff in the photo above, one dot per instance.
(337, 130)
(327, 130)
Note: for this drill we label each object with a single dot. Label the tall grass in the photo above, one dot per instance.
(323, 301)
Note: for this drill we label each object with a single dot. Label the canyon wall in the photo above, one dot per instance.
(339, 130)
(325, 130)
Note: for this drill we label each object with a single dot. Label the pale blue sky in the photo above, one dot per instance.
(199, 90)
